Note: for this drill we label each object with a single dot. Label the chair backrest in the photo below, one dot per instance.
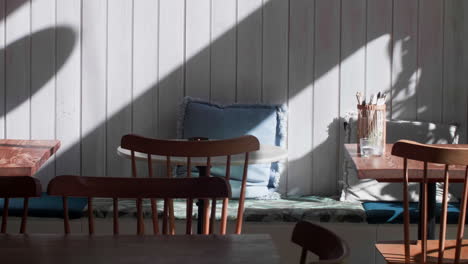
(195, 149)
(449, 156)
(329, 247)
(18, 187)
(139, 188)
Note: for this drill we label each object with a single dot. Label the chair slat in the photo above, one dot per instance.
(150, 166)
(140, 224)
(206, 217)
(462, 218)
(189, 213)
(6, 202)
(424, 215)
(240, 209)
(134, 170)
(90, 216)
(188, 228)
(443, 216)
(165, 212)
(226, 200)
(154, 212)
(66, 220)
(213, 216)
(115, 202)
(406, 209)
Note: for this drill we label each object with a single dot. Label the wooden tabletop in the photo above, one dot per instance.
(25, 157)
(266, 154)
(134, 249)
(389, 168)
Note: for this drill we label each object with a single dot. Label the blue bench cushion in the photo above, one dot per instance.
(46, 206)
(392, 212)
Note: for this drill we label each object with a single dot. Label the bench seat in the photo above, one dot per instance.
(312, 208)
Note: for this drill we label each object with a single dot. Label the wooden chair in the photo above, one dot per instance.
(195, 149)
(424, 250)
(18, 187)
(139, 188)
(329, 247)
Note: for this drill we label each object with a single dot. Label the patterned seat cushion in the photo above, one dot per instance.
(312, 208)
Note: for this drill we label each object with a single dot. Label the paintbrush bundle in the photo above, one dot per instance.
(372, 121)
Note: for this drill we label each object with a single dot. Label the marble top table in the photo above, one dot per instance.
(25, 157)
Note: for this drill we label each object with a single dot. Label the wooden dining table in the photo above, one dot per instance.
(389, 168)
(24, 157)
(123, 249)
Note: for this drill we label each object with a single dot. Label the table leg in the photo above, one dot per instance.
(431, 204)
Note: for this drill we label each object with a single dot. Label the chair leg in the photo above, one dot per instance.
(6, 202)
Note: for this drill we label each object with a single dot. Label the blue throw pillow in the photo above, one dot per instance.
(199, 118)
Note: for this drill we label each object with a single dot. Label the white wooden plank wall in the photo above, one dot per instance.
(88, 71)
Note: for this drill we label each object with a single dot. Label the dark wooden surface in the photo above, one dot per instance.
(25, 157)
(388, 168)
(70, 249)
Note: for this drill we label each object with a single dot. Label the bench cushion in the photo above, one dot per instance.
(46, 206)
(392, 212)
(312, 208)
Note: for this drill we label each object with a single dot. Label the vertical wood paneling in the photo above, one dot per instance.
(249, 51)
(197, 48)
(275, 51)
(352, 62)
(171, 64)
(119, 82)
(379, 47)
(404, 64)
(275, 58)
(223, 50)
(43, 77)
(353, 57)
(68, 86)
(145, 66)
(301, 84)
(326, 96)
(2, 69)
(430, 57)
(94, 60)
(455, 82)
(18, 69)
(89, 71)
